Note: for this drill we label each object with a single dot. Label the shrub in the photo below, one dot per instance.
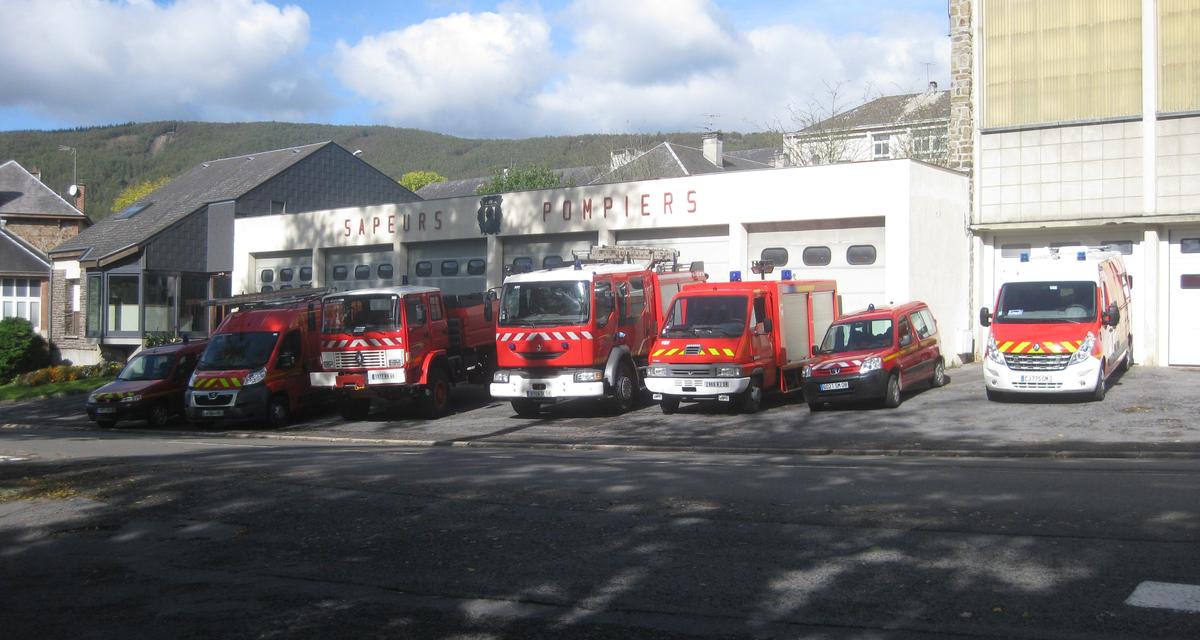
(159, 339)
(67, 373)
(21, 348)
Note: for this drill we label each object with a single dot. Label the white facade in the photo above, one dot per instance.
(906, 220)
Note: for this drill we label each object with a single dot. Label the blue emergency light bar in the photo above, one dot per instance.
(1082, 255)
(735, 276)
(1024, 257)
(786, 274)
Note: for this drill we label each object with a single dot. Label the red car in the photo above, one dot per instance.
(874, 355)
(150, 387)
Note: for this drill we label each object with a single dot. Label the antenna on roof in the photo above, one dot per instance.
(709, 121)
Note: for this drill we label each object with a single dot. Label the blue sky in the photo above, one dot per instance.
(475, 69)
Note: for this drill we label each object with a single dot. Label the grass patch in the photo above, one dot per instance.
(38, 489)
(12, 392)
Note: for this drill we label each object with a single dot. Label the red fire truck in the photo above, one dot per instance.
(403, 342)
(729, 342)
(584, 330)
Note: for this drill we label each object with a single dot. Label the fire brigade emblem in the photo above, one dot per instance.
(488, 215)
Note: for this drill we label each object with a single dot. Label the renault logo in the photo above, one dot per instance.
(1037, 347)
(358, 358)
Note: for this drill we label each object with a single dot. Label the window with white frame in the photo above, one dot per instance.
(881, 145)
(21, 298)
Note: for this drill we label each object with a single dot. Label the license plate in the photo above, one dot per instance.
(385, 376)
(212, 413)
(1035, 378)
(106, 409)
(716, 384)
(537, 394)
(834, 386)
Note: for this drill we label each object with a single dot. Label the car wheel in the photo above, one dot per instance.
(106, 424)
(891, 397)
(355, 408)
(159, 415)
(624, 389)
(279, 414)
(526, 408)
(669, 405)
(1101, 385)
(435, 402)
(995, 396)
(751, 399)
(939, 374)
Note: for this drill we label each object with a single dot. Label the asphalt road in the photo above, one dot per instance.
(160, 535)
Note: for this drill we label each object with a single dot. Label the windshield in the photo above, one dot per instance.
(545, 304)
(238, 350)
(359, 313)
(723, 316)
(147, 367)
(858, 335)
(1038, 302)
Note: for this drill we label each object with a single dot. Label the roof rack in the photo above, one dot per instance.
(607, 253)
(269, 298)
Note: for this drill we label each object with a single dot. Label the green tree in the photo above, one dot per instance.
(414, 180)
(21, 348)
(525, 178)
(137, 191)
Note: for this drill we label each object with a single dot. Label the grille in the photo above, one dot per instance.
(697, 371)
(692, 350)
(349, 359)
(1037, 362)
(214, 399)
(1037, 385)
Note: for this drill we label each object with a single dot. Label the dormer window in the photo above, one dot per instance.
(132, 210)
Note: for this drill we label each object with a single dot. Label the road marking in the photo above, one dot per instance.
(1166, 595)
(12, 459)
(221, 444)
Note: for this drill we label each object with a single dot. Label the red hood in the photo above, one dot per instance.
(1056, 337)
(570, 346)
(845, 362)
(695, 350)
(117, 389)
(219, 379)
(368, 340)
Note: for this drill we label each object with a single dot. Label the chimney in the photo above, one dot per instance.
(932, 86)
(37, 173)
(714, 148)
(80, 193)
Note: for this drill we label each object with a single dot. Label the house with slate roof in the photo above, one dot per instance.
(911, 125)
(33, 219)
(149, 268)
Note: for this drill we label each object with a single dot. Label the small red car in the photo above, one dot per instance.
(874, 355)
(150, 387)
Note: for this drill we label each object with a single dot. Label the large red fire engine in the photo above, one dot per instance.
(406, 341)
(584, 330)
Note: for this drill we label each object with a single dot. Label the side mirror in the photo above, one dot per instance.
(815, 349)
(1113, 316)
(487, 309)
(985, 317)
(767, 326)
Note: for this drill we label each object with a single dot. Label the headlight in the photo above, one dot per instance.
(395, 357)
(137, 397)
(729, 371)
(500, 376)
(256, 376)
(589, 376)
(657, 371)
(1085, 350)
(871, 364)
(993, 352)
(326, 359)
(192, 379)
(806, 372)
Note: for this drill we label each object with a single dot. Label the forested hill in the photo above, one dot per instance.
(114, 157)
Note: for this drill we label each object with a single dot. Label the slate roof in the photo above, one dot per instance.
(19, 258)
(208, 182)
(907, 108)
(575, 176)
(24, 195)
(672, 160)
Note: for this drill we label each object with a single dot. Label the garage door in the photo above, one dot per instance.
(278, 271)
(530, 253)
(709, 245)
(1184, 302)
(361, 268)
(457, 267)
(853, 256)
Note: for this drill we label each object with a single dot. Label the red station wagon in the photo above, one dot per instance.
(150, 387)
(874, 355)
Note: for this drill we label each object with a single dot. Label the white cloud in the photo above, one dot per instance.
(95, 61)
(472, 74)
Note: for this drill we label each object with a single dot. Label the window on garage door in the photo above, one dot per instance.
(362, 272)
(777, 256)
(1189, 245)
(267, 275)
(286, 274)
(305, 274)
(860, 254)
(1123, 247)
(552, 262)
(449, 267)
(476, 267)
(424, 269)
(385, 271)
(340, 272)
(1189, 281)
(817, 256)
(522, 265)
(1013, 250)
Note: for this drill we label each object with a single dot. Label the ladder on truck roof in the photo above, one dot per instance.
(662, 258)
(269, 298)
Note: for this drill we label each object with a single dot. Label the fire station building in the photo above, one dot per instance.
(887, 231)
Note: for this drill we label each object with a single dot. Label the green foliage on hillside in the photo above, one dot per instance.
(112, 158)
(524, 178)
(135, 192)
(414, 180)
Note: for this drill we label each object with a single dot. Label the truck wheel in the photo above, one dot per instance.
(624, 389)
(526, 408)
(939, 374)
(751, 399)
(106, 424)
(355, 408)
(669, 405)
(435, 402)
(159, 415)
(891, 397)
(279, 414)
(1101, 387)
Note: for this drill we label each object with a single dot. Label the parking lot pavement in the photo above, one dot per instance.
(1149, 411)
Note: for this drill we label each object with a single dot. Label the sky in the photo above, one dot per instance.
(467, 68)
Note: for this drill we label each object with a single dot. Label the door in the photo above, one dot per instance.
(456, 267)
(278, 271)
(361, 268)
(854, 256)
(416, 321)
(709, 245)
(761, 342)
(910, 354)
(290, 362)
(1183, 347)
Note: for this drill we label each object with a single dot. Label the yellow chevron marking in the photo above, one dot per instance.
(671, 352)
(1020, 348)
(890, 357)
(714, 351)
(729, 352)
(225, 382)
(237, 382)
(1053, 347)
(1006, 346)
(1071, 348)
(658, 352)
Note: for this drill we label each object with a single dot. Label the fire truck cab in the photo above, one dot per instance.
(730, 342)
(584, 330)
(403, 342)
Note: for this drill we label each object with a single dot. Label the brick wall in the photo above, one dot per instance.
(43, 234)
(962, 58)
(61, 338)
